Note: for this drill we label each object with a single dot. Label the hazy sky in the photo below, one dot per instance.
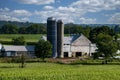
(76, 11)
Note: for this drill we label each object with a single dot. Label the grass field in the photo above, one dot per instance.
(52, 71)
(118, 35)
(28, 37)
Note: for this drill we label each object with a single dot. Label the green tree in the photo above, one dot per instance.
(43, 49)
(77, 29)
(36, 29)
(106, 46)
(9, 29)
(73, 29)
(86, 31)
(104, 29)
(117, 29)
(19, 41)
(22, 60)
(22, 30)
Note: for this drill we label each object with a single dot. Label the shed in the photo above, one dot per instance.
(14, 50)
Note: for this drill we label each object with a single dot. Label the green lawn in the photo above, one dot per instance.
(52, 71)
(28, 37)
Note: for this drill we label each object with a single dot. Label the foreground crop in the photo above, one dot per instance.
(51, 71)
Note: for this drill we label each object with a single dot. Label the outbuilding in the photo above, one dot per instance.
(14, 50)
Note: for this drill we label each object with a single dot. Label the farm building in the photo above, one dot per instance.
(73, 46)
(18, 50)
(77, 45)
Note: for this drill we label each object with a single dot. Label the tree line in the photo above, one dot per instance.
(32, 29)
(42, 29)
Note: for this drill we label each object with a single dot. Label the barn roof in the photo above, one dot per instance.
(18, 48)
(71, 39)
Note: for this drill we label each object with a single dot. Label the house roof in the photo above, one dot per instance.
(18, 48)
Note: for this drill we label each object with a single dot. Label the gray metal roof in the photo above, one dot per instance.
(18, 48)
(30, 48)
(67, 40)
(71, 39)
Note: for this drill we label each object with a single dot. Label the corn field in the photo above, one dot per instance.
(52, 71)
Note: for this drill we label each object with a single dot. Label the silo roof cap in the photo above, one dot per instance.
(51, 18)
(60, 21)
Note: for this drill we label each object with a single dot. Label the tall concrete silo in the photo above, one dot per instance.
(60, 36)
(52, 35)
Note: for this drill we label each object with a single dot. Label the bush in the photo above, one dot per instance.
(6, 42)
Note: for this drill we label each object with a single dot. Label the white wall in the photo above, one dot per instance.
(83, 49)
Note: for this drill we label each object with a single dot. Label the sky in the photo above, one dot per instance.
(70, 11)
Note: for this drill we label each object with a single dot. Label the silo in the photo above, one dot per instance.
(60, 36)
(52, 35)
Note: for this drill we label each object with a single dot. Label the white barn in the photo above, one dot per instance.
(77, 45)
